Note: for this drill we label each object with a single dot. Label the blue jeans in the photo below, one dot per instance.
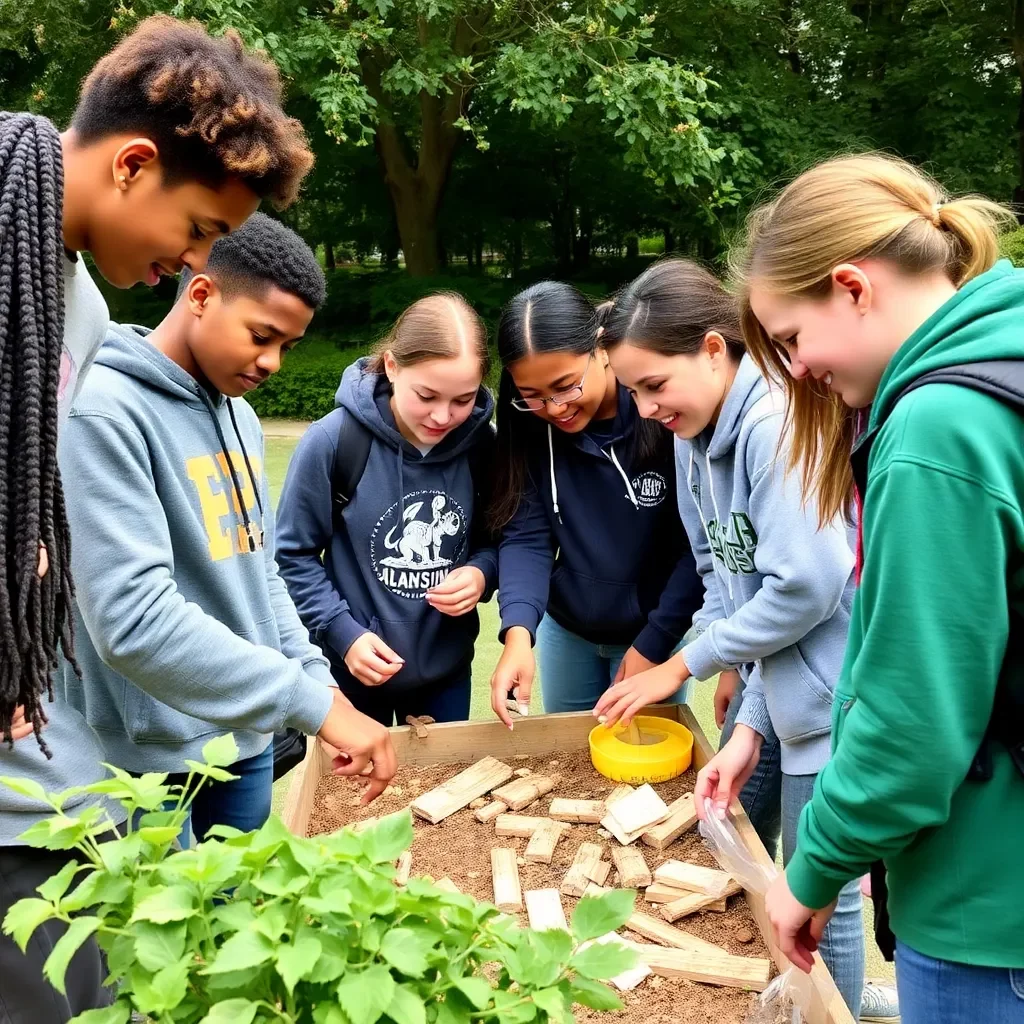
(941, 992)
(445, 701)
(575, 672)
(243, 804)
(761, 797)
(842, 945)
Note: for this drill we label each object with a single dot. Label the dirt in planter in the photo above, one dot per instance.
(460, 849)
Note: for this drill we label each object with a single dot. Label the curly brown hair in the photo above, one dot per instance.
(213, 108)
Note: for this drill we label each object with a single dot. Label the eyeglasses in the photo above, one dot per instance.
(561, 398)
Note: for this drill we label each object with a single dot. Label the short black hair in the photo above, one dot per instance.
(264, 252)
(213, 108)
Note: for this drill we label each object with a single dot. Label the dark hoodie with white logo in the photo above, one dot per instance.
(597, 542)
(411, 520)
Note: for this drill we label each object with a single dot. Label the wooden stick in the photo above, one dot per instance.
(639, 811)
(508, 895)
(711, 969)
(684, 875)
(588, 811)
(490, 811)
(694, 901)
(575, 881)
(682, 817)
(541, 847)
(447, 885)
(631, 866)
(517, 826)
(593, 889)
(658, 892)
(544, 910)
(608, 822)
(403, 868)
(664, 934)
(598, 873)
(465, 787)
(521, 792)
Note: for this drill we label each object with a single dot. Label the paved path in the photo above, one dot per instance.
(284, 428)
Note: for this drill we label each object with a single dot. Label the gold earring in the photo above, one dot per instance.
(122, 183)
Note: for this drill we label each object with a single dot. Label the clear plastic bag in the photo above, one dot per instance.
(727, 848)
(784, 1001)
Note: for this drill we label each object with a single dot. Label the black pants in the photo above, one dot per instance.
(444, 701)
(26, 997)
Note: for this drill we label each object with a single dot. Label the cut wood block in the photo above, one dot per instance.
(575, 881)
(480, 801)
(681, 818)
(490, 811)
(518, 826)
(609, 823)
(593, 889)
(656, 892)
(620, 792)
(588, 811)
(639, 811)
(598, 873)
(631, 866)
(709, 968)
(508, 895)
(465, 787)
(521, 792)
(693, 878)
(541, 847)
(448, 885)
(544, 910)
(520, 772)
(664, 934)
(403, 868)
(695, 901)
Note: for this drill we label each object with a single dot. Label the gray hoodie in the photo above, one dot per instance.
(184, 628)
(778, 590)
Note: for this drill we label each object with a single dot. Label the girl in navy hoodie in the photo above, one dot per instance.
(389, 586)
(594, 564)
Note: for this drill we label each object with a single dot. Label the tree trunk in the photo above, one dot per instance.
(329, 256)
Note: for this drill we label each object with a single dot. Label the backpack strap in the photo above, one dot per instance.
(350, 454)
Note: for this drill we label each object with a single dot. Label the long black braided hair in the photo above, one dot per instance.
(34, 612)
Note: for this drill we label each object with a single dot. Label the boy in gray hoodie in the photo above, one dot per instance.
(185, 629)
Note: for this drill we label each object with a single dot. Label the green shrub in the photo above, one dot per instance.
(270, 927)
(1011, 245)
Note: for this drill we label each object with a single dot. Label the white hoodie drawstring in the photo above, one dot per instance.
(700, 512)
(629, 487)
(551, 467)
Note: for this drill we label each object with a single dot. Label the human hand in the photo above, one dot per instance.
(798, 929)
(364, 746)
(622, 701)
(728, 683)
(513, 674)
(20, 726)
(632, 664)
(459, 592)
(44, 560)
(724, 776)
(371, 661)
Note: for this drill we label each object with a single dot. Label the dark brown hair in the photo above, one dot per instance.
(213, 108)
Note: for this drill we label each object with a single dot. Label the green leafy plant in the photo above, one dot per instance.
(268, 926)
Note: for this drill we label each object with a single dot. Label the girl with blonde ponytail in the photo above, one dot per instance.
(877, 301)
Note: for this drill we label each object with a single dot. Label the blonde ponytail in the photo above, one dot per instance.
(844, 210)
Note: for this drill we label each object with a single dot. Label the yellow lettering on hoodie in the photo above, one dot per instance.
(211, 476)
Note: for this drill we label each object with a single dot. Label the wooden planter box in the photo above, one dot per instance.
(543, 735)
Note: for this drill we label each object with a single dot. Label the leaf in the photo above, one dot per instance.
(57, 833)
(296, 961)
(406, 951)
(366, 995)
(477, 990)
(231, 1011)
(67, 946)
(597, 915)
(96, 887)
(328, 1013)
(209, 771)
(157, 945)
(24, 918)
(553, 1002)
(159, 835)
(556, 943)
(243, 950)
(56, 885)
(166, 989)
(406, 1007)
(175, 903)
(602, 960)
(221, 751)
(594, 994)
(509, 1008)
(392, 835)
(119, 1013)
(25, 787)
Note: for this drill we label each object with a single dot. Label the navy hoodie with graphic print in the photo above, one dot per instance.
(597, 542)
(411, 520)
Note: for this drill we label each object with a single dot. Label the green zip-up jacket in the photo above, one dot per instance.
(943, 546)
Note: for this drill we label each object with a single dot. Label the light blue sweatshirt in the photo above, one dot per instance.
(184, 629)
(778, 590)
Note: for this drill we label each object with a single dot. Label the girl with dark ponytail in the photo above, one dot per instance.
(593, 564)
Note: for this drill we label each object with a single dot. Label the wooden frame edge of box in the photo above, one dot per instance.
(543, 734)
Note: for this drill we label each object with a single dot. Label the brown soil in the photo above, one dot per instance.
(460, 849)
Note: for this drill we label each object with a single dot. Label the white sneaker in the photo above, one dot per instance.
(879, 1004)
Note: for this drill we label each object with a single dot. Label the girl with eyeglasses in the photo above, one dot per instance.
(593, 565)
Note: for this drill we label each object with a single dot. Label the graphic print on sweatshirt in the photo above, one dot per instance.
(650, 488)
(222, 515)
(735, 546)
(417, 542)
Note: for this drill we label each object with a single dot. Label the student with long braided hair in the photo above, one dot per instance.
(176, 138)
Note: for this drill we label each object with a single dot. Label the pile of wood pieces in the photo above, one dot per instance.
(634, 820)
